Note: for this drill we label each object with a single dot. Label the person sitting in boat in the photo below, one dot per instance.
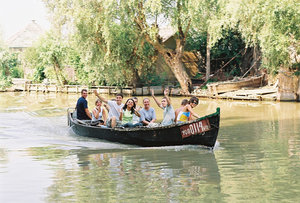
(126, 114)
(184, 102)
(114, 109)
(186, 112)
(136, 119)
(99, 114)
(148, 115)
(169, 114)
(82, 110)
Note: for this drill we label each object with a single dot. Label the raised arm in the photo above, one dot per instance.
(166, 93)
(104, 116)
(156, 101)
(100, 97)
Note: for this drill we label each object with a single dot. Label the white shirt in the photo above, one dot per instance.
(114, 109)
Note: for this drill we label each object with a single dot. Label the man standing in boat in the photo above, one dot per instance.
(82, 110)
(114, 109)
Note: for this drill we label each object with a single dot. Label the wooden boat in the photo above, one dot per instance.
(203, 131)
(228, 86)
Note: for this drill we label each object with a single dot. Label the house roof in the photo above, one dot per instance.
(166, 32)
(191, 61)
(26, 37)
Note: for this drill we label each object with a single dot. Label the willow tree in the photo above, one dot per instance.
(206, 17)
(271, 25)
(111, 51)
(48, 57)
(149, 16)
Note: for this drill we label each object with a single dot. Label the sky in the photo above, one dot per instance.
(16, 14)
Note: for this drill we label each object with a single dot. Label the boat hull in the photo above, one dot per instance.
(203, 131)
(222, 87)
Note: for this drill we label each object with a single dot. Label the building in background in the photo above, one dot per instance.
(25, 38)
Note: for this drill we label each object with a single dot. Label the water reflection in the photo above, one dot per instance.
(147, 175)
(258, 158)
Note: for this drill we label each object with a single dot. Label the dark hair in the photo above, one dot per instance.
(164, 98)
(194, 100)
(98, 100)
(135, 98)
(184, 102)
(83, 90)
(132, 108)
(119, 94)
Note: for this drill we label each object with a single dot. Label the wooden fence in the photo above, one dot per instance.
(25, 85)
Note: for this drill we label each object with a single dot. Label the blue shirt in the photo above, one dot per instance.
(81, 105)
(147, 115)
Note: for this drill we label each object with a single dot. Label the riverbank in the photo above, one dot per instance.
(262, 93)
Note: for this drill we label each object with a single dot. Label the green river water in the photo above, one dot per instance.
(256, 159)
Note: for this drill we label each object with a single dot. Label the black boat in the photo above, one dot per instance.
(202, 131)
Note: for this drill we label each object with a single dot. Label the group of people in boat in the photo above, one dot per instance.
(131, 114)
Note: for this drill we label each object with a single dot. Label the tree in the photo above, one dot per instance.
(50, 51)
(270, 25)
(175, 11)
(109, 51)
(8, 64)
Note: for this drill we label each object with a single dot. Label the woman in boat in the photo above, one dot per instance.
(165, 104)
(98, 113)
(187, 111)
(126, 114)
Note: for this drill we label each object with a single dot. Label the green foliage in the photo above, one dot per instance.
(34, 61)
(8, 67)
(48, 58)
(102, 42)
(273, 25)
(221, 52)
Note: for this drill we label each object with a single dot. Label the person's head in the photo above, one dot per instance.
(184, 102)
(98, 102)
(194, 102)
(130, 105)
(135, 99)
(164, 101)
(84, 93)
(146, 103)
(119, 98)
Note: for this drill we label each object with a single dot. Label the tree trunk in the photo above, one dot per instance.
(59, 76)
(56, 75)
(173, 58)
(207, 58)
(177, 67)
(136, 78)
